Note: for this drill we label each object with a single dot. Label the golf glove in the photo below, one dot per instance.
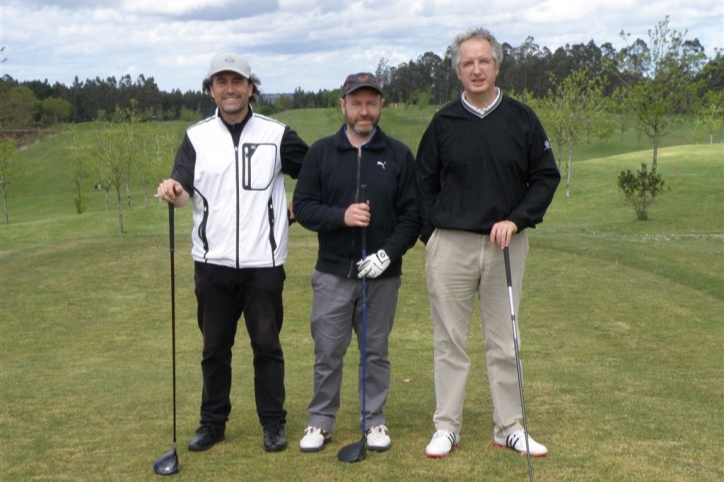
(373, 265)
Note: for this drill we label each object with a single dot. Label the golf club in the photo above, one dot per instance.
(517, 358)
(357, 451)
(167, 464)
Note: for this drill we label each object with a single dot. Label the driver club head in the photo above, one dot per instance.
(167, 464)
(354, 452)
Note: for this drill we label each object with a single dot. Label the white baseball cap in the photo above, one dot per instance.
(229, 63)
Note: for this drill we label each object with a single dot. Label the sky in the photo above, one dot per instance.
(311, 44)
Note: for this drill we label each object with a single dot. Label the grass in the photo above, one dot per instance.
(621, 331)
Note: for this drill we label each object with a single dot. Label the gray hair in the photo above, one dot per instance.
(477, 34)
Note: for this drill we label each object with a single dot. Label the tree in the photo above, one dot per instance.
(79, 172)
(402, 81)
(109, 165)
(619, 105)
(523, 68)
(427, 78)
(641, 189)
(157, 160)
(283, 103)
(130, 149)
(11, 169)
(447, 84)
(661, 80)
(58, 110)
(711, 75)
(383, 73)
(711, 113)
(550, 117)
(578, 112)
(18, 106)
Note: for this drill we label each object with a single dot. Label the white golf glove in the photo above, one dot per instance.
(373, 265)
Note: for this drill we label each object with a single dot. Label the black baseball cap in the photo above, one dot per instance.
(357, 81)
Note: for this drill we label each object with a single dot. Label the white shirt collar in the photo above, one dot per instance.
(485, 110)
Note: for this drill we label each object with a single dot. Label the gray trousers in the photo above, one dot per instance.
(461, 265)
(336, 313)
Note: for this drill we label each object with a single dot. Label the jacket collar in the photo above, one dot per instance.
(240, 125)
(376, 143)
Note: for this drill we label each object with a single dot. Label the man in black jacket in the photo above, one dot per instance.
(328, 199)
(485, 173)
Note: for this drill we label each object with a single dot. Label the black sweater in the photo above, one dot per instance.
(473, 172)
(328, 184)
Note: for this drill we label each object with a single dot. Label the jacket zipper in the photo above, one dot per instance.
(238, 200)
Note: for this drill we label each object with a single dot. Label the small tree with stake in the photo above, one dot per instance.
(641, 189)
(11, 169)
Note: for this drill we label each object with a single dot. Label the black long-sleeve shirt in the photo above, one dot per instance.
(474, 171)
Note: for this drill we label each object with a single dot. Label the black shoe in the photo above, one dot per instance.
(274, 438)
(206, 437)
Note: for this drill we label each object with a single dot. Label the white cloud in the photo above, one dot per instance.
(311, 44)
(173, 7)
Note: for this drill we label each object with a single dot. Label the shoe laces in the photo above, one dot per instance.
(379, 429)
(209, 429)
(275, 429)
(314, 430)
(441, 434)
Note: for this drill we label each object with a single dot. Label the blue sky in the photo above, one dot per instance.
(312, 44)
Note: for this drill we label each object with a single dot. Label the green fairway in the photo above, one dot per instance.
(622, 329)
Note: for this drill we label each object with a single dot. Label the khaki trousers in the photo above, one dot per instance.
(459, 265)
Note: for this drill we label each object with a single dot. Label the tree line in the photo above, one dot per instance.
(580, 92)
(528, 70)
(38, 103)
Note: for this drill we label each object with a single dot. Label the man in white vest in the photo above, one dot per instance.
(231, 168)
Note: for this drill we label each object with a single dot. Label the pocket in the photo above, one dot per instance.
(432, 239)
(259, 165)
(430, 247)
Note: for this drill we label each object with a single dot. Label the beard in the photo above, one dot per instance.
(363, 130)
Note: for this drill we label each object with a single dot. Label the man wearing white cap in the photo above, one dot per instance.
(231, 167)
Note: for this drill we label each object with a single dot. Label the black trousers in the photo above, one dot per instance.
(223, 295)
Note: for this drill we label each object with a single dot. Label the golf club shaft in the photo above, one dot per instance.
(173, 313)
(506, 255)
(363, 195)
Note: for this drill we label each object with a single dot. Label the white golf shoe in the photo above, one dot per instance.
(443, 441)
(378, 438)
(516, 441)
(314, 439)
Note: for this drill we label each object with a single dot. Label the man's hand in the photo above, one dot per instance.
(502, 232)
(373, 265)
(172, 192)
(357, 215)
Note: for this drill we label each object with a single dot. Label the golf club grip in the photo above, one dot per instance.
(506, 254)
(363, 199)
(171, 208)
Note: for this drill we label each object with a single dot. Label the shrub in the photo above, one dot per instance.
(641, 189)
